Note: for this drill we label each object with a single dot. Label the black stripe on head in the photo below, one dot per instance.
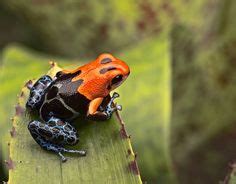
(63, 75)
(104, 70)
(106, 60)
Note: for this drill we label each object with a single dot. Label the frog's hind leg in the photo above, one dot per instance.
(53, 134)
(37, 92)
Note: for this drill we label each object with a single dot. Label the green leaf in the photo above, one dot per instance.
(21, 64)
(110, 157)
(145, 97)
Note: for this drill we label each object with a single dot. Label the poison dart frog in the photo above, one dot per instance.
(83, 92)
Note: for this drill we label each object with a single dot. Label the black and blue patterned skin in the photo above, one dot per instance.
(37, 92)
(54, 132)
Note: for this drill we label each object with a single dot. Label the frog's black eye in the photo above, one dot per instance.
(117, 79)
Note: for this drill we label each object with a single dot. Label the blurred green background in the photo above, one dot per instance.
(180, 99)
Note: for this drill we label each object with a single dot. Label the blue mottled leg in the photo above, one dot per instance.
(55, 148)
(53, 134)
(37, 92)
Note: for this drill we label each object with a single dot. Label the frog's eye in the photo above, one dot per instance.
(117, 79)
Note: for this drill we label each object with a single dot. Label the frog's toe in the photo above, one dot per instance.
(115, 95)
(119, 107)
(84, 153)
(63, 159)
(111, 109)
(80, 152)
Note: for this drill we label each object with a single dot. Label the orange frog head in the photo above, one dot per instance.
(101, 76)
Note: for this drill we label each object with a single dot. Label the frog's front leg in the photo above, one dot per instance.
(37, 92)
(53, 134)
(103, 113)
(109, 108)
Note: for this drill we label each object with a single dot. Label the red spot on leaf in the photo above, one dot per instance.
(10, 164)
(123, 132)
(19, 110)
(29, 84)
(22, 94)
(52, 63)
(13, 132)
(133, 166)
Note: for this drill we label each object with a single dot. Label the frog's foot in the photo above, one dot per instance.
(110, 108)
(55, 148)
(61, 149)
(53, 134)
(37, 92)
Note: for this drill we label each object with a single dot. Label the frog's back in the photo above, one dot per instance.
(63, 100)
